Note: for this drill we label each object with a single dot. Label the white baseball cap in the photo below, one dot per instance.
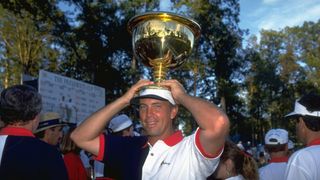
(276, 137)
(161, 94)
(299, 109)
(120, 123)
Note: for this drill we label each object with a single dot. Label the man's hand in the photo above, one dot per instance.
(135, 89)
(176, 88)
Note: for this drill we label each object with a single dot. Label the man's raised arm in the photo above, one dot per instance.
(213, 122)
(86, 135)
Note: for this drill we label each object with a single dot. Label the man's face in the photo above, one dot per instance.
(128, 131)
(156, 116)
(54, 135)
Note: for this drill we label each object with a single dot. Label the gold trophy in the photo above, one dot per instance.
(162, 40)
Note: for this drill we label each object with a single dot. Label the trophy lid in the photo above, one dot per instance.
(193, 25)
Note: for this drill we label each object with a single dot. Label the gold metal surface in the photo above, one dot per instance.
(162, 40)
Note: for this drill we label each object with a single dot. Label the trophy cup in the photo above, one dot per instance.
(162, 40)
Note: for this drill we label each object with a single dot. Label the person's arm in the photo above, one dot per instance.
(86, 135)
(213, 122)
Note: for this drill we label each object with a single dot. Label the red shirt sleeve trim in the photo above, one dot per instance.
(101, 147)
(201, 149)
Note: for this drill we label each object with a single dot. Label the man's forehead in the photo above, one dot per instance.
(151, 101)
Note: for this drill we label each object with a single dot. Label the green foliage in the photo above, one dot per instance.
(283, 66)
(89, 41)
(216, 66)
(25, 45)
(90, 49)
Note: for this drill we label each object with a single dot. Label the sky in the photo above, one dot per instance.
(256, 15)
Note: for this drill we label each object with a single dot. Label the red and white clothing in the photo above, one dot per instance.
(98, 166)
(178, 158)
(173, 158)
(274, 170)
(304, 164)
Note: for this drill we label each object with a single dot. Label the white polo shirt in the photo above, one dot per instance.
(275, 170)
(179, 158)
(304, 164)
(98, 166)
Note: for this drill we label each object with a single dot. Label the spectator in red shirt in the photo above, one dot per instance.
(71, 157)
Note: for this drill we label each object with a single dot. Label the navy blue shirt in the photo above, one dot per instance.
(27, 157)
(124, 157)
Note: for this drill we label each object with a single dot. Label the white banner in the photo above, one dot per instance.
(74, 100)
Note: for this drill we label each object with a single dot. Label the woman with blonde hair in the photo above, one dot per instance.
(235, 164)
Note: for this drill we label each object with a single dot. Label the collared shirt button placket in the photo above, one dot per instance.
(150, 149)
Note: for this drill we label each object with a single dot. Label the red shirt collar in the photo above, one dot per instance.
(174, 138)
(16, 131)
(314, 142)
(279, 159)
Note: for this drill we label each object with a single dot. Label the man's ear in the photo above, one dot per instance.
(46, 134)
(174, 111)
(303, 126)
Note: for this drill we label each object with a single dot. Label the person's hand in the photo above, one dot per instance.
(176, 88)
(135, 89)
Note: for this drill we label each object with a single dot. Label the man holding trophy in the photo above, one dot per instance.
(161, 41)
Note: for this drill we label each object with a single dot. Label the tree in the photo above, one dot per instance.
(281, 70)
(104, 61)
(25, 45)
(218, 52)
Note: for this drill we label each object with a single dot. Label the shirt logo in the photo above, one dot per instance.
(165, 163)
